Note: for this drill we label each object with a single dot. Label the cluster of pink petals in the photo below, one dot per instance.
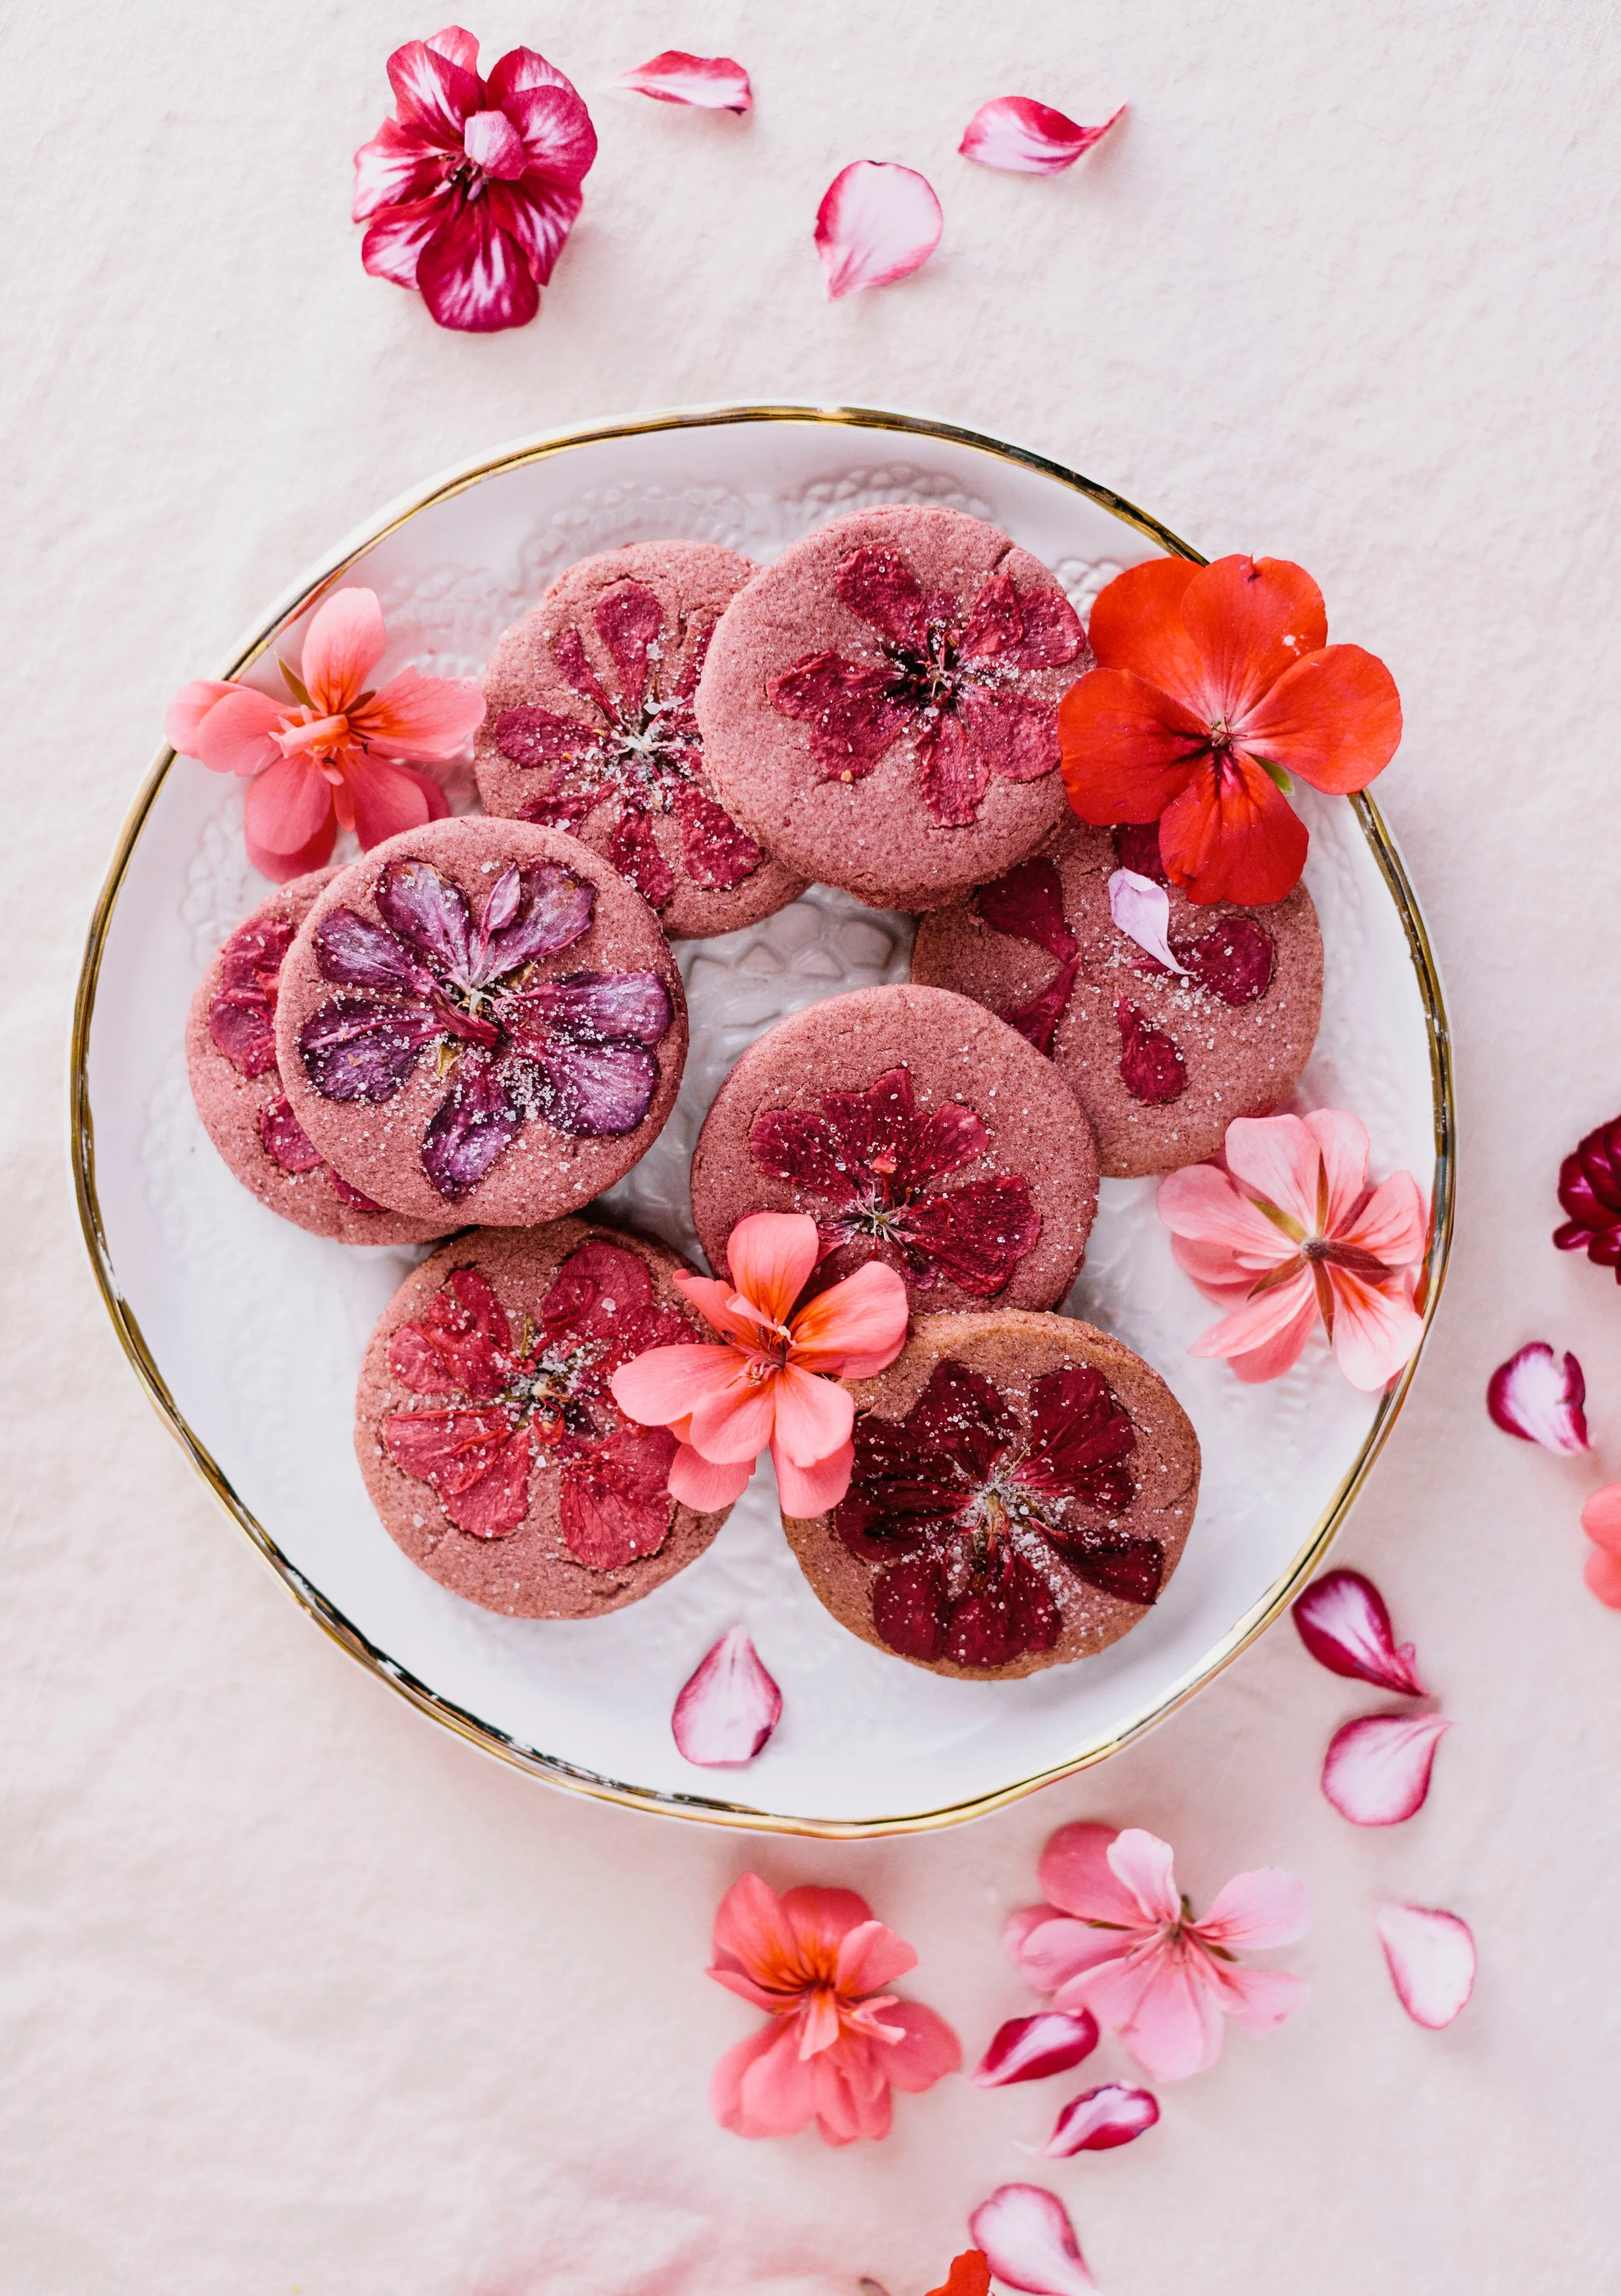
(729, 1708)
(837, 2041)
(1539, 1397)
(1027, 138)
(774, 1380)
(470, 190)
(1431, 1958)
(1290, 1232)
(1601, 1521)
(711, 83)
(877, 222)
(339, 755)
(1028, 2242)
(1117, 1938)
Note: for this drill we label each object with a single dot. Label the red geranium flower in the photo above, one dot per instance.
(512, 1394)
(1214, 684)
(872, 1155)
(647, 756)
(473, 185)
(949, 680)
(1590, 1195)
(975, 1515)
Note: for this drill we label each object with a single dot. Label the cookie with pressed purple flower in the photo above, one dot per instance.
(589, 728)
(487, 1433)
(1198, 1012)
(230, 1058)
(913, 1128)
(880, 706)
(1022, 1489)
(481, 1018)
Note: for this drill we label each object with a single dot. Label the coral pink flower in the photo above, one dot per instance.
(1601, 1521)
(1117, 1939)
(333, 757)
(473, 186)
(817, 1962)
(1290, 1231)
(775, 1379)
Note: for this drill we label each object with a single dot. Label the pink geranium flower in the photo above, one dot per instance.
(817, 1962)
(473, 186)
(775, 1381)
(333, 757)
(1117, 1938)
(1290, 1231)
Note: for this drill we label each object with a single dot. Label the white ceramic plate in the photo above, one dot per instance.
(249, 1333)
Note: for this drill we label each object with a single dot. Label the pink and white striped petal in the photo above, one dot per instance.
(1031, 2048)
(1029, 2242)
(1100, 2119)
(877, 222)
(728, 1708)
(1027, 138)
(1343, 1621)
(1538, 1397)
(1141, 910)
(712, 83)
(1431, 1958)
(1377, 1770)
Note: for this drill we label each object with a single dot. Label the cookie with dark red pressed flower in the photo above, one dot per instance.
(482, 1017)
(230, 1057)
(1201, 1012)
(1022, 1489)
(490, 1444)
(913, 1128)
(589, 728)
(880, 707)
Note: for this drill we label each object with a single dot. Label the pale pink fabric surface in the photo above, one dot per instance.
(302, 1994)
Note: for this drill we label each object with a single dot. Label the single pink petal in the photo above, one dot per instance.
(281, 868)
(1077, 1876)
(538, 214)
(494, 146)
(1601, 1519)
(1391, 1224)
(877, 222)
(1141, 1863)
(1342, 1141)
(1539, 1399)
(1343, 1621)
(870, 1956)
(927, 2049)
(473, 274)
(698, 1482)
(1199, 1204)
(1029, 2242)
(1278, 1161)
(814, 1418)
(1141, 910)
(806, 1492)
(1166, 2006)
(1281, 1352)
(433, 92)
(1431, 1957)
(819, 1919)
(1263, 1319)
(735, 1421)
(854, 1328)
(763, 2086)
(395, 169)
(236, 735)
(1102, 2119)
(754, 1934)
(1377, 1769)
(729, 1708)
(714, 83)
(345, 639)
(1265, 1908)
(1258, 1999)
(1601, 1574)
(1376, 1332)
(429, 719)
(288, 804)
(1053, 1948)
(770, 1258)
(187, 710)
(389, 799)
(1027, 138)
(664, 1384)
(1032, 2048)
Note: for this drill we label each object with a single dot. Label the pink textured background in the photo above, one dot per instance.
(298, 1992)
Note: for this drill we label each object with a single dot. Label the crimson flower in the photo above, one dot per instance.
(573, 1049)
(976, 1516)
(640, 750)
(1213, 683)
(1590, 1194)
(473, 186)
(505, 1396)
(877, 1160)
(949, 680)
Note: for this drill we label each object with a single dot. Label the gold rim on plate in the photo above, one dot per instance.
(332, 1620)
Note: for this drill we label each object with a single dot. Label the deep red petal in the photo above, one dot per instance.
(717, 853)
(956, 772)
(1028, 903)
(792, 1144)
(473, 1460)
(630, 621)
(475, 276)
(634, 852)
(395, 169)
(538, 214)
(434, 94)
(1018, 738)
(615, 1500)
(977, 1235)
(1151, 1065)
(393, 245)
(880, 586)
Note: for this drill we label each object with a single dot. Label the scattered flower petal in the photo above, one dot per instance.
(713, 83)
(1539, 1399)
(1032, 2048)
(730, 1708)
(1343, 1621)
(1100, 2119)
(1029, 2242)
(1431, 1957)
(877, 222)
(1141, 910)
(1590, 1193)
(1377, 1769)
(1027, 138)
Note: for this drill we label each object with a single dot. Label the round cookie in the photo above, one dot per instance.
(482, 1015)
(230, 1059)
(880, 706)
(1023, 1488)
(489, 1442)
(589, 726)
(913, 1128)
(1162, 1062)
